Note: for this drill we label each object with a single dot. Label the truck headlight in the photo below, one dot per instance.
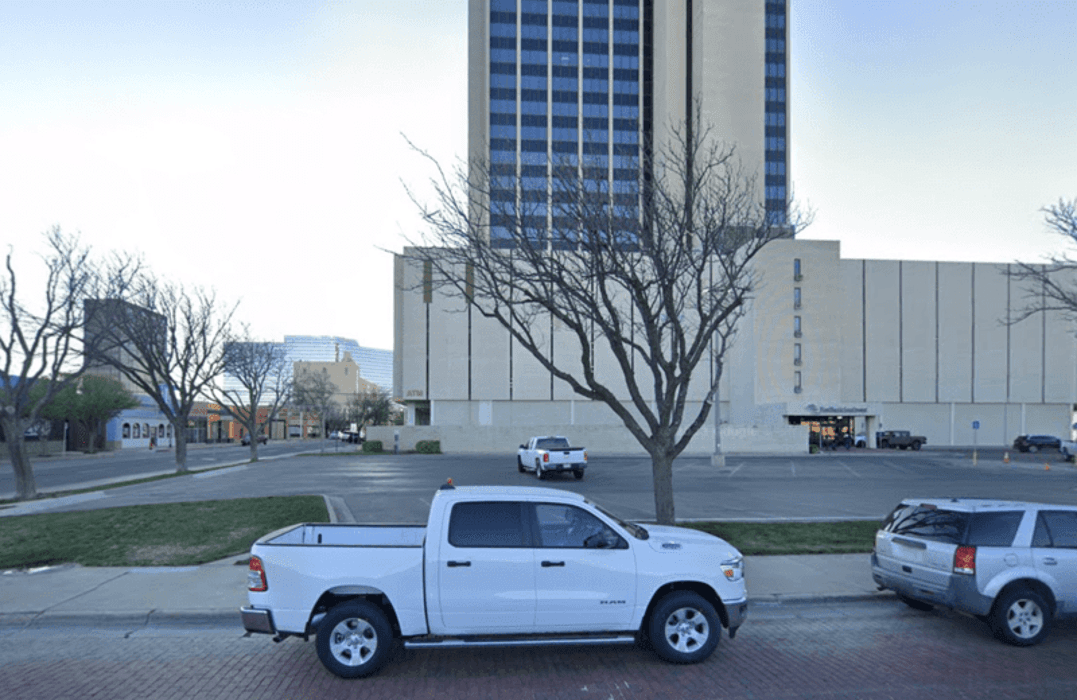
(733, 569)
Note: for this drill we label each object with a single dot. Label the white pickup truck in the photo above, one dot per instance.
(495, 566)
(546, 454)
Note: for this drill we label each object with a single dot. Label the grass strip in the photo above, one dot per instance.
(166, 534)
(754, 539)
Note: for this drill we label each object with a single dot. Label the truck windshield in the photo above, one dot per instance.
(635, 530)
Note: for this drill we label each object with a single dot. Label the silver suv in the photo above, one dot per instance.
(1011, 564)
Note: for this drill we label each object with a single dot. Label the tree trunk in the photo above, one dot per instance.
(180, 430)
(25, 484)
(662, 469)
(254, 448)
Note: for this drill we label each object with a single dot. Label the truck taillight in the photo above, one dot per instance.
(256, 576)
(546, 457)
(965, 560)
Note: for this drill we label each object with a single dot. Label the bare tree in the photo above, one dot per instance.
(646, 283)
(41, 341)
(264, 376)
(314, 392)
(166, 341)
(1051, 286)
(371, 407)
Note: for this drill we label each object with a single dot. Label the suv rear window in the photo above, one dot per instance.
(993, 529)
(928, 522)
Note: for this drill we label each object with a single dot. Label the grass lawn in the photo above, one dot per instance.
(185, 534)
(167, 534)
(851, 537)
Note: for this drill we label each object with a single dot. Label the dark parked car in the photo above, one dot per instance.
(246, 439)
(1035, 443)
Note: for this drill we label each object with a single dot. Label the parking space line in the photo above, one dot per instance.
(850, 470)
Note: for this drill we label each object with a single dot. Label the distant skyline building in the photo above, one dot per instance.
(375, 365)
(591, 85)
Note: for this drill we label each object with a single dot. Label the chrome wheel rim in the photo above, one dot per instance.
(1024, 618)
(687, 630)
(353, 642)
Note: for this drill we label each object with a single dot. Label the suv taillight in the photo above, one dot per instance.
(256, 576)
(965, 560)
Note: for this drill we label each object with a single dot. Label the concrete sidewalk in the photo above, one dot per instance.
(212, 593)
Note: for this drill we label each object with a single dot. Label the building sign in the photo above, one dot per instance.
(836, 410)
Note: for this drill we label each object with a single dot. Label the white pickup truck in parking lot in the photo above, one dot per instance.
(547, 454)
(495, 566)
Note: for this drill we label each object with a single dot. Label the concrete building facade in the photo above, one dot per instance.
(830, 347)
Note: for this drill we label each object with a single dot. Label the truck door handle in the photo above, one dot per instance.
(1050, 561)
(459, 563)
(553, 563)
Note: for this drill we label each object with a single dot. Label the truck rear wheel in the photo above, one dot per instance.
(354, 639)
(578, 473)
(684, 628)
(519, 464)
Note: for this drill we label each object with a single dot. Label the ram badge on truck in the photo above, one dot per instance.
(495, 566)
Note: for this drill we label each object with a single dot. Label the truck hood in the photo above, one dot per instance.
(666, 538)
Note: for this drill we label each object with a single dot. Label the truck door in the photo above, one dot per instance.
(485, 571)
(585, 574)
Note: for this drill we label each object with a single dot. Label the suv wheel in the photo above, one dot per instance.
(1021, 617)
(1033, 448)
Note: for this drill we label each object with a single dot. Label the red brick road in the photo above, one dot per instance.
(861, 650)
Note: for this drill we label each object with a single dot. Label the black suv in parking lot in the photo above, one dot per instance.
(1035, 443)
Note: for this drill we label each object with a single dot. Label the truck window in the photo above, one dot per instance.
(567, 526)
(493, 524)
(552, 444)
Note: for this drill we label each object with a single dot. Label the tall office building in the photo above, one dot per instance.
(590, 84)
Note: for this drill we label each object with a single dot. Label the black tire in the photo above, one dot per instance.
(1021, 617)
(354, 639)
(578, 473)
(916, 445)
(539, 472)
(520, 465)
(916, 604)
(684, 628)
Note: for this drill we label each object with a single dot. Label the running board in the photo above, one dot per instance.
(515, 642)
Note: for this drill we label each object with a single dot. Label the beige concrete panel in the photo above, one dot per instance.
(448, 347)
(410, 347)
(1060, 385)
(489, 359)
(955, 332)
(729, 35)
(1049, 418)
(851, 304)
(566, 353)
(991, 342)
(530, 380)
(769, 327)
(931, 420)
(881, 328)
(670, 65)
(992, 418)
(918, 329)
(823, 319)
(478, 80)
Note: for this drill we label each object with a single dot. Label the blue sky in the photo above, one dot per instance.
(256, 147)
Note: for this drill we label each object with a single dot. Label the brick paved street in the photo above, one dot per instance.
(850, 650)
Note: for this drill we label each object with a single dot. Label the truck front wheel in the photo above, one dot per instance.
(354, 639)
(684, 628)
